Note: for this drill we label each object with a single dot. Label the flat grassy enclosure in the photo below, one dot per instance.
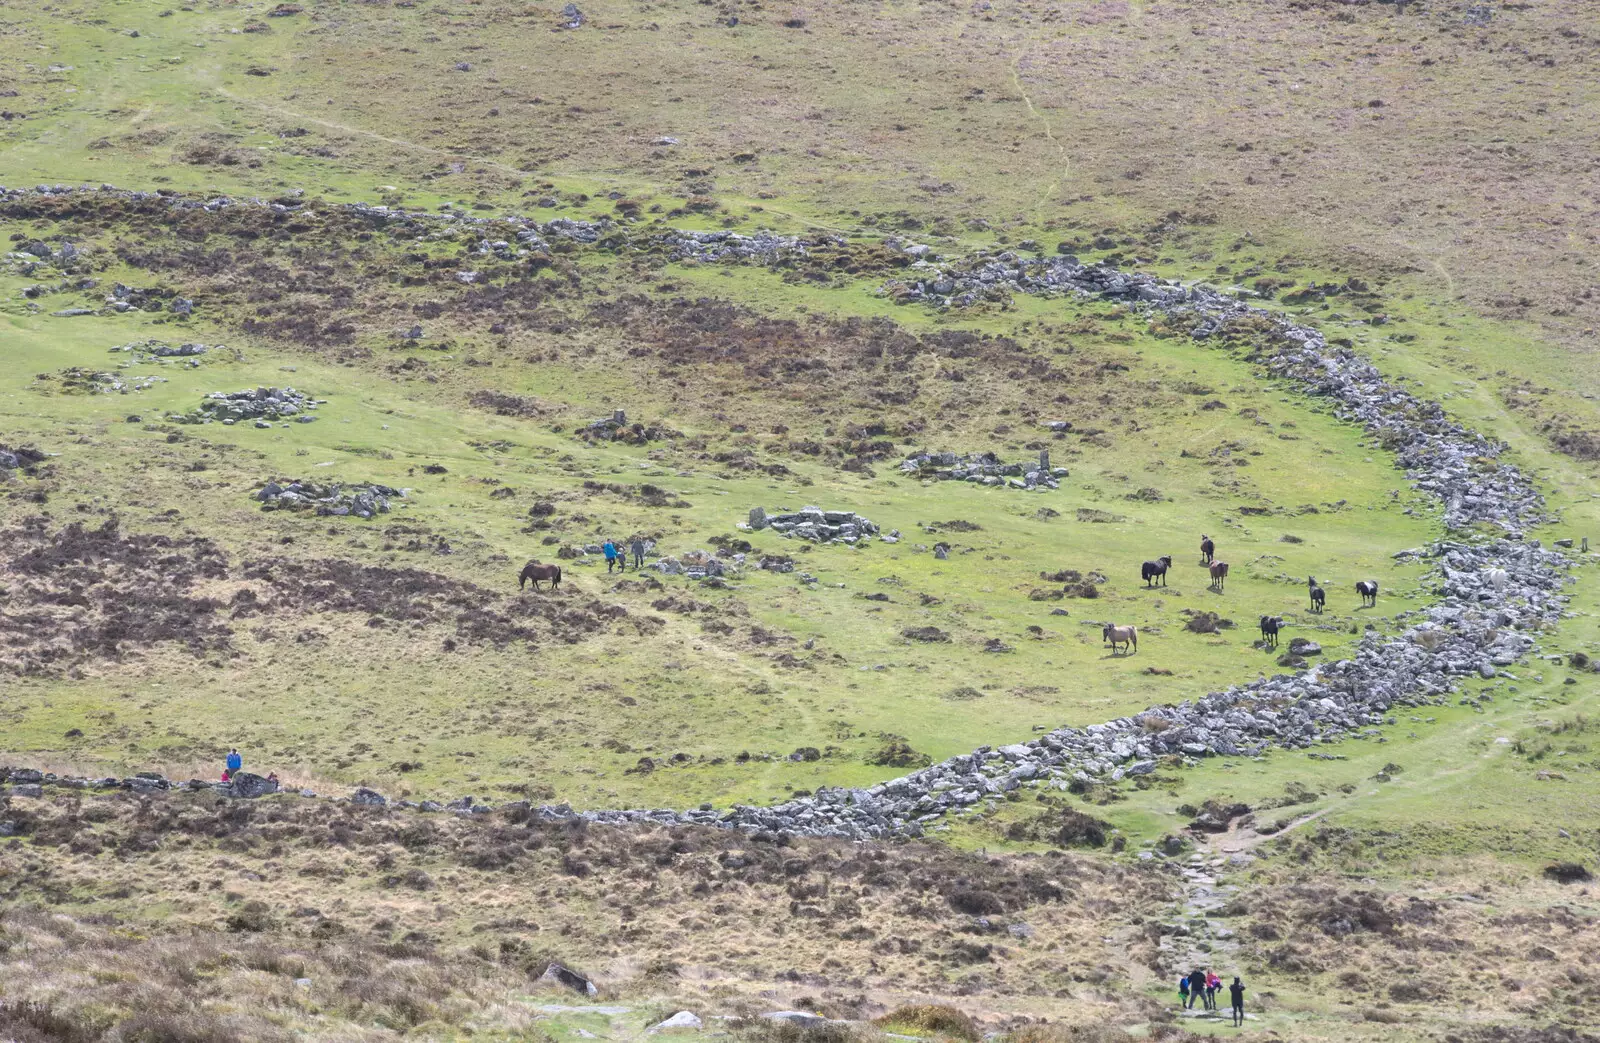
(1417, 180)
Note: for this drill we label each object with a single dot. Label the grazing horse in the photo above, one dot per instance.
(1318, 596)
(1368, 589)
(535, 572)
(1269, 630)
(1154, 570)
(1219, 575)
(1128, 636)
(1208, 549)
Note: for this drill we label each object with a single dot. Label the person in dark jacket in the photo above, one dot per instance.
(637, 546)
(1197, 988)
(1236, 990)
(235, 762)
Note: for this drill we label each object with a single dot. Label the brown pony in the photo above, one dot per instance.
(1219, 575)
(536, 572)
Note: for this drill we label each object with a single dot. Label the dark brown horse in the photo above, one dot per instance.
(1208, 549)
(536, 572)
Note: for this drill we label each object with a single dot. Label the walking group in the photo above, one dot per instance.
(617, 553)
(1204, 986)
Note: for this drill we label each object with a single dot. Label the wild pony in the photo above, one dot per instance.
(1219, 575)
(1154, 570)
(1269, 630)
(1127, 636)
(1497, 578)
(535, 572)
(1318, 596)
(1368, 589)
(1208, 549)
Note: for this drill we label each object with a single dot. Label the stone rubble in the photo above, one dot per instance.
(262, 405)
(815, 524)
(698, 564)
(337, 499)
(985, 469)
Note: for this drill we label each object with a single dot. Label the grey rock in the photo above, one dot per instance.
(369, 797)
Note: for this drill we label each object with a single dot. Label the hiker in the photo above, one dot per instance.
(1236, 990)
(1213, 983)
(235, 762)
(610, 551)
(227, 776)
(1197, 988)
(638, 552)
(1183, 992)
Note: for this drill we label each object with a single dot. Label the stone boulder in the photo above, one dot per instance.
(566, 977)
(249, 786)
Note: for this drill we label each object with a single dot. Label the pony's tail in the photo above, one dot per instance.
(558, 573)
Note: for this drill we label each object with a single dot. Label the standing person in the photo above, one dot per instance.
(638, 552)
(1183, 992)
(1197, 988)
(1236, 990)
(1213, 983)
(235, 762)
(610, 551)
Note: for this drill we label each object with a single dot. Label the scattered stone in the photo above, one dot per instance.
(985, 469)
(369, 797)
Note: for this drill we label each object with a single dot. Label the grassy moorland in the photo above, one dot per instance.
(1429, 164)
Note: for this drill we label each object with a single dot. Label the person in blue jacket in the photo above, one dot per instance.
(235, 762)
(610, 550)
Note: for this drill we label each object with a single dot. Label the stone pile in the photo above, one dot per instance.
(814, 524)
(698, 564)
(985, 469)
(262, 405)
(761, 248)
(363, 500)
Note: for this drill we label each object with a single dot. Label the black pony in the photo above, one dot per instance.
(1269, 630)
(1208, 549)
(1154, 570)
(1368, 589)
(1318, 596)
